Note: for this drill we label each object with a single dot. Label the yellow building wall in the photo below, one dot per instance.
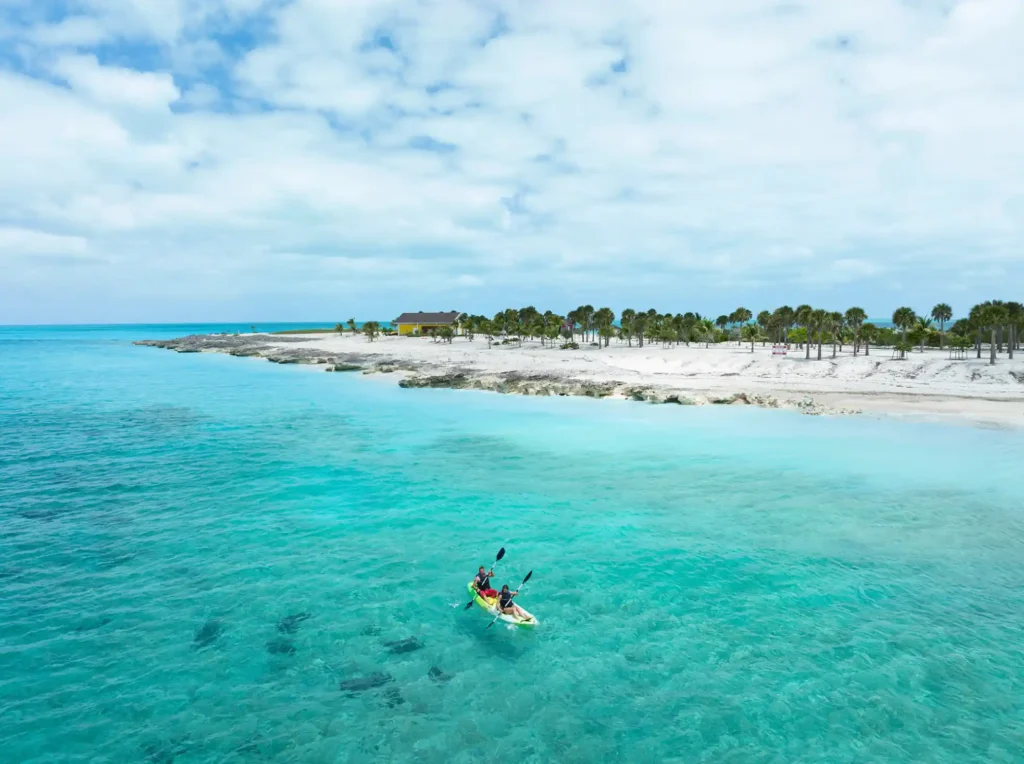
(404, 329)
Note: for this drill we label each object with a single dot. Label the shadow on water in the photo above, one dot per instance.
(207, 634)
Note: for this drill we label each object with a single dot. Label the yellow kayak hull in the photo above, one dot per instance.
(490, 604)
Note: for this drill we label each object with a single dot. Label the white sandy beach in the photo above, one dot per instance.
(925, 384)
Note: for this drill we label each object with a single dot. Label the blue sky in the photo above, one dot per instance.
(175, 160)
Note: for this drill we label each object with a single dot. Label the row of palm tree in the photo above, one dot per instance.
(805, 327)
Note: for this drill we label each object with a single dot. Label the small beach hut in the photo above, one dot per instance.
(424, 323)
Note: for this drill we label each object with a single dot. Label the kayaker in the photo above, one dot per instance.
(507, 606)
(482, 583)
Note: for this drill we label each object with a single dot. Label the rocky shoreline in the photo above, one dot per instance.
(424, 375)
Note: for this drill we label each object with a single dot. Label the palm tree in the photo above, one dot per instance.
(721, 322)
(942, 313)
(1014, 314)
(994, 316)
(351, 325)
(867, 333)
(706, 329)
(976, 320)
(687, 324)
(764, 320)
(751, 333)
(819, 320)
(603, 320)
(339, 328)
(740, 316)
(626, 324)
(371, 329)
(922, 328)
(804, 315)
(252, 328)
(508, 321)
(855, 318)
(553, 332)
(641, 322)
(544, 322)
(835, 325)
(784, 318)
(584, 316)
(903, 319)
(528, 318)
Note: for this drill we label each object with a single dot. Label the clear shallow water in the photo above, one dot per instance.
(714, 584)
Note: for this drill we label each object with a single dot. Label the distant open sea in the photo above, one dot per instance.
(197, 552)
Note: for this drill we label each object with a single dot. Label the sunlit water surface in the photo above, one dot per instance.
(714, 584)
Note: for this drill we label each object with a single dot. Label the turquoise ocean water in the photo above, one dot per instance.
(714, 584)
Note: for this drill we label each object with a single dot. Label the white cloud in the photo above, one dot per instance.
(810, 147)
(23, 242)
(116, 86)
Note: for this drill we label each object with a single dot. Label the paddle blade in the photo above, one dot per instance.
(527, 577)
(501, 553)
(469, 605)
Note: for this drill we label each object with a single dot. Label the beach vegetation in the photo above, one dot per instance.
(903, 319)
(900, 349)
(706, 332)
(626, 325)
(942, 313)
(868, 332)
(738, 318)
(836, 323)
(855, 318)
(803, 316)
(994, 325)
(819, 323)
(604, 320)
(752, 333)
(922, 331)
(371, 329)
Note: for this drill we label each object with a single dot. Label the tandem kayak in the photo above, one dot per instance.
(490, 605)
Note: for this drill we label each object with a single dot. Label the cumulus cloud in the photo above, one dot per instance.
(660, 153)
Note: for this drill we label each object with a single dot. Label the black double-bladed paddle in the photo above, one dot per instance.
(501, 553)
(499, 601)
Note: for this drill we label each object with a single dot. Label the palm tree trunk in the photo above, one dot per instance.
(1009, 345)
(1000, 348)
(942, 333)
(977, 342)
(819, 344)
(992, 349)
(867, 348)
(807, 356)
